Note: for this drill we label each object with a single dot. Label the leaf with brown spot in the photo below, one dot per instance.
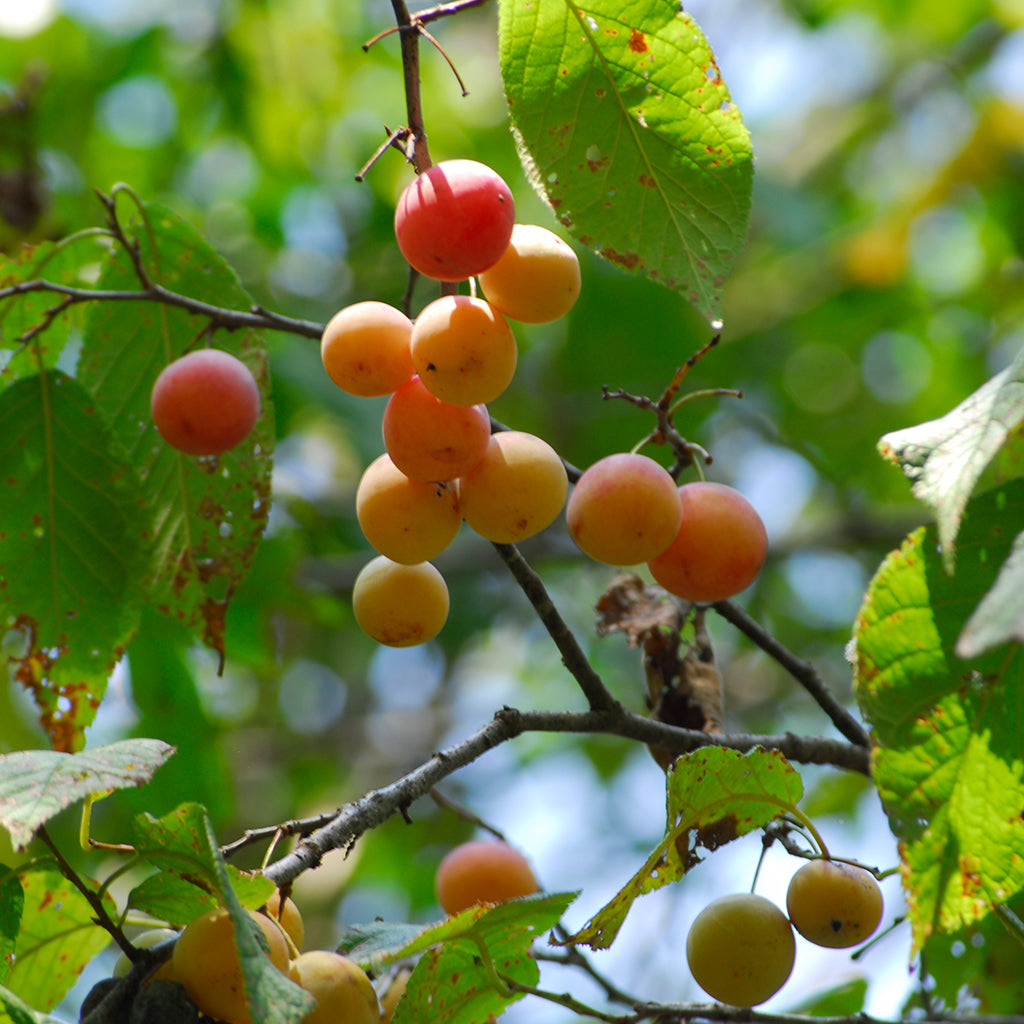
(714, 796)
(453, 982)
(625, 127)
(57, 939)
(72, 550)
(207, 514)
(946, 731)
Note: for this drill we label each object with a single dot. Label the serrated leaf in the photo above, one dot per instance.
(466, 960)
(626, 129)
(947, 758)
(177, 899)
(715, 795)
(944, 458)
(190, 882)
(35, 785)
(208, 513)
(71, 549)
(58, 937)
(12, 905)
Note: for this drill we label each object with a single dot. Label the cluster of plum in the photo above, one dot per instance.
(702, 541)
(203, 972)
(442, 464)
(204, 963)
(741, 948)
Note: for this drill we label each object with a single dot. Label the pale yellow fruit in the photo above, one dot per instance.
(343, 992)
(537, 278)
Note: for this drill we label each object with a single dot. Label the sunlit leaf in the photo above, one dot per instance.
(627, 130)
(58, 938)
(35, 785)
(947, 762)
(715, 795)
(72, 549)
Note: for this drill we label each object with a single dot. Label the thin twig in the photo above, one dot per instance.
(256, 317)
(411, 72)
(444, 10)
(801, 670)
(394, 139)
(441, 50)
(103, 919)
(593, 687)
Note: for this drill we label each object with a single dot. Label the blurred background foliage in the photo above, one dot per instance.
(882, 283)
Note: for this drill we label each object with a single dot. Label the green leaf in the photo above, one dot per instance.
(626, 129)
(190, 881)
(715, 795)
(177, 899)
(35, 785)
(19, 1012)
(944, 458)
(72, 549)
(208, 513)
(31, 338)
(466, 960)
(12, 905)
(947, 758)
(58, 938)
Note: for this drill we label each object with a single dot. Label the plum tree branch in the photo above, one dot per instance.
(229, 319)
(338, 830)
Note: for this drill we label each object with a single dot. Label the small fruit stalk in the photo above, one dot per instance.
(454, 221)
